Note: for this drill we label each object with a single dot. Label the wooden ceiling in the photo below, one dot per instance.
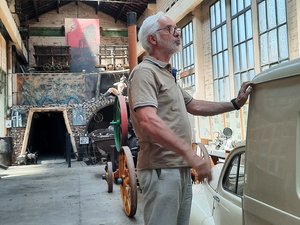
(32, 9)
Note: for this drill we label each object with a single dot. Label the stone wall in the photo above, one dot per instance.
(79, 94)
(90, 107)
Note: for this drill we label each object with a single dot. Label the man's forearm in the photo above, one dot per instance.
(208, 108)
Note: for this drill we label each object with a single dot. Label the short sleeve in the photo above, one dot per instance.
(143, 88)
(186, 96)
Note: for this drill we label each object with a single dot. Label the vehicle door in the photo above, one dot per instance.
(227, 201)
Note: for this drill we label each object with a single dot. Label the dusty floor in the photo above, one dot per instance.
(53, 194)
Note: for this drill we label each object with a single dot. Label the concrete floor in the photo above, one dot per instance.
(53, 194)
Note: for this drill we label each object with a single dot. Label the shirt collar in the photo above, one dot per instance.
(159, 63)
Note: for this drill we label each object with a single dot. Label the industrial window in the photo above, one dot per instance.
(188, 46)
(242, 42)
(188, 81)
(176, 63)
(184, 60)
(273, 35)
(219, 51)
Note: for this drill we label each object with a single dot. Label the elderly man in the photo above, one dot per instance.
(159, 111)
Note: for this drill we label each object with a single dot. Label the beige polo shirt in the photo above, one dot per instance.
(152, 84)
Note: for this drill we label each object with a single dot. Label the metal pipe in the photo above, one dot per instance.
(132, 39)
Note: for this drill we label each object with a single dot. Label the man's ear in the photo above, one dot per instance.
(152, 39)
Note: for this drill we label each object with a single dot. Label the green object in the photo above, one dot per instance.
(47, 31)
(117, 124)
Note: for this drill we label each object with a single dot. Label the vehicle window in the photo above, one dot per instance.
(233, 180)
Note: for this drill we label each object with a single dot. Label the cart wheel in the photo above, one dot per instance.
(120, 121)
(128, 185)
(109, 177)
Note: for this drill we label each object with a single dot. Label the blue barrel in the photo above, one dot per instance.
(6, 151)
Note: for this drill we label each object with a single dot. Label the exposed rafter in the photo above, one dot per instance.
(57, 6)
(35, 4)
(117, 9)
(98, 6)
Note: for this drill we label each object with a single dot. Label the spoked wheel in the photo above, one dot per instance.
(109, 177)
(120, 121)
(128, 185)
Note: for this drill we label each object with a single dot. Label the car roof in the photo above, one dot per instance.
(280, 71)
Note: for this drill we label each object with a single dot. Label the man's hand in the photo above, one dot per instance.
(201, 164)
(243, 94)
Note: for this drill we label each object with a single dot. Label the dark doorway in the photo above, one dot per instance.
(47, 135)
(101, 119)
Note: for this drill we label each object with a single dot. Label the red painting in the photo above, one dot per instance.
(83, 37)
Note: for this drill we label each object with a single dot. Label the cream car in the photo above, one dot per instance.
(220, 201)
(259, 183)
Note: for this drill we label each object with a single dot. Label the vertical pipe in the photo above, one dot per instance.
(132, 39)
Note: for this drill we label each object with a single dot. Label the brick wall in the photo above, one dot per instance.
(293, 19)
(71, 10)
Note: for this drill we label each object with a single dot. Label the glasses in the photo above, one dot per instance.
(172, 30)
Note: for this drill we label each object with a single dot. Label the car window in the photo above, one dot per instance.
(233, 180)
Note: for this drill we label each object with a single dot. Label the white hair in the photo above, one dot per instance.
(149, 26)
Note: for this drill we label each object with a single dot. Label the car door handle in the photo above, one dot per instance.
(216, 198)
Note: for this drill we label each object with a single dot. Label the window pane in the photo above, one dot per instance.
(214, 42)
(233, 7)
(240, 5)
(220, 64)
(216, 90)
(235, 34)
(212, 17)
(192, 55)
(219, 39)
(236, 58)
(251, 74)
(263, 68)
(189, 56)
(243, 55)
(241, 28)
(237, 83)
(226, 69)
(244, 76)
(184, 58)
(271, 14)
(250, 55)
(283, 43)
(281, 11)
(218, 13)
(191, 31)
(264, 59)
(262, 17)
(221, 90)
(273, 48)
(189, 38)
(183, 37)
(224, 36)
(223, 11)
(226, 89)
(247, 3)
(215, 66)
(248, 24)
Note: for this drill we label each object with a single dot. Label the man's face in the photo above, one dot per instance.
(168, 36)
